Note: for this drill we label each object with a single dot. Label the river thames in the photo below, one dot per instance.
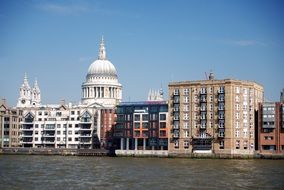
(70, 172)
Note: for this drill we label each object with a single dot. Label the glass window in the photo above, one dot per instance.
(145, 117)
(162, 116)
(162, 125)
(137, 117)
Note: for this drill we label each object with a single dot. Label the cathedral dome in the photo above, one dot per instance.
(102, 68)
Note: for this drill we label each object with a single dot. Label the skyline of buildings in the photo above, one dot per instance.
(212, 116)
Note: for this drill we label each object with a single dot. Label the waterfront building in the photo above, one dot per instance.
(213, 116)
(84, 125)
(141, 126)
(271, 128)
(9, 125)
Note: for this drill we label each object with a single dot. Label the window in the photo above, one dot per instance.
(40, 113)
(36, 139)
(176, 99)
(237, 144)
(58, 132)
(186, 144)
(145, 117)
(69, 139)
(186, 116)
(237, 90)
(70, 126)
(69, 132)
(58, 125)
(176, 143)
(36, 132)
(186, 107)
(268, 137)
(237, 133)
(186, 134)
(221, 145)
(36, 125)
(72, 112)
(186, 91)
(176, 91)
(186, 99)
(162, 133)
(76, 125)
(136, 117)
(162, 116)
(58, 138)
(245, 144)
(145, 125)
(45, 113)
(136, 125)
(186, 125)
(153, 116)
(137, 133)
(162, 125)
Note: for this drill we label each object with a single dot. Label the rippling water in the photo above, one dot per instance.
(58, 172)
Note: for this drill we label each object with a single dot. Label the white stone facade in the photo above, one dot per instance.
(29, 97)
(70, 126)
(101, 85)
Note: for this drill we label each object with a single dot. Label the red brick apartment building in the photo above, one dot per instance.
(271, 128)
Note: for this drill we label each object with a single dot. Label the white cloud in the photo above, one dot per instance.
(64, 9)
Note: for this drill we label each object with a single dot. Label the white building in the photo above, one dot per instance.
(29, 97)
(71, 126)
(101, 85)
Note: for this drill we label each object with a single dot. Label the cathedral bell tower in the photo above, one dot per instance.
(29, 97)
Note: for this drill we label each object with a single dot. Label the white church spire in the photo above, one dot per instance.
(102, 51)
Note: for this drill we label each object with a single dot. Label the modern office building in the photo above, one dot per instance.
(271, 128)
(141, 126)
(213, 116)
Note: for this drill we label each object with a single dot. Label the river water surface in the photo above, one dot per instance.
(70, 172)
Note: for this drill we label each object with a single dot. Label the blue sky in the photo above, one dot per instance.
(149, 42)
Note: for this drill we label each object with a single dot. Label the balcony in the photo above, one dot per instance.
(176, 118)
(176, 127)
(221, 117)
(85, 142)
(221, 135)
(176, 109)
(270, 126)
(85, 120)
(48, 142)
(176, 101)
(221, 108)
(48, 135)
(26, 129)
(221, 126)
(85, 128)
(203, 91)
(203, 108)
(176, 135)
(85, 135)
